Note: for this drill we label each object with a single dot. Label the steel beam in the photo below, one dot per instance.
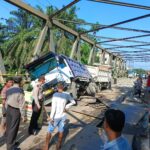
(78, 51)
(144, 49)
(74, 48)
(102, 58)
(118, 67)
(63, 27)
(52, 44)
(90, 60)
(118, 23)
(28, 8)
(40, 42)
(133, 41)
(110, 59)
(122, 4)
(37, 13)
(126, 38)
(128, 46)
(115, 62)
(64, 8)
(118, 28)
(41, 15)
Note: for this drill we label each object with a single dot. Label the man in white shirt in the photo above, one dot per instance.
(58, 115)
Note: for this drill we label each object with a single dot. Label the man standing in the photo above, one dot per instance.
(37, 95)
(15, 107)
(138, 86)
(113, 124)
(147, 91)
(8, 84)
(58, 116)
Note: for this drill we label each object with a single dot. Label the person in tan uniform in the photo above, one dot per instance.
(37, 95)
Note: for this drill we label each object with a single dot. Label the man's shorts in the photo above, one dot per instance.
(60, 123)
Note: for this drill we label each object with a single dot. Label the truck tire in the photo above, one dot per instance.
(109, 85)
(73, 90)
(74, 94)
(91, 90)
(99, 87)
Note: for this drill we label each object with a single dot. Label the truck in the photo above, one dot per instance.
(59, 68)
(102, 75)
(78, 79)
(131, 73)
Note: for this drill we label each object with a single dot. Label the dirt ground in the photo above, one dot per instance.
(81, 131)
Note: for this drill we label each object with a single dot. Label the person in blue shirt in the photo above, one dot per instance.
(114, 121)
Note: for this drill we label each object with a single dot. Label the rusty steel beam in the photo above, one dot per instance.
(122, 4)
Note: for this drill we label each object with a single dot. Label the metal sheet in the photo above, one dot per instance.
(133, 113)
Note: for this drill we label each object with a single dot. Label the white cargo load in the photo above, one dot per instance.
(101, 73)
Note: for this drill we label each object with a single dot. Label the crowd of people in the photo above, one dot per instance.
(13, 110)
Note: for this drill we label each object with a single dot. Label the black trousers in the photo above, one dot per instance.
(12, 126)
(35, 116)
(138, 91)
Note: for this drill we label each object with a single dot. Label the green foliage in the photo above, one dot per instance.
(85, 51)
(29, 87)
(20, 33)
(139, 71)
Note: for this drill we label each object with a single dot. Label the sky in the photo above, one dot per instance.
(104, 14)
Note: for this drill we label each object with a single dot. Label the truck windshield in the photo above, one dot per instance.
(43, 68)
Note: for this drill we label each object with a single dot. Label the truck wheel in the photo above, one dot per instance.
(99, 87)
(91, 90)
(109, 85)
(74, 94)
(73, 90)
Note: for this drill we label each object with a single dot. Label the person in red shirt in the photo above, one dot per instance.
(148, 84)
(147, 90)
(8, 84)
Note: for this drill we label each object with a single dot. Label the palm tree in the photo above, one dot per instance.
(23, 30)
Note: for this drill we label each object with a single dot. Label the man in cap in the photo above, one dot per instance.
(37, 95)
(15, 106)
(58, 116)
(8, 84)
